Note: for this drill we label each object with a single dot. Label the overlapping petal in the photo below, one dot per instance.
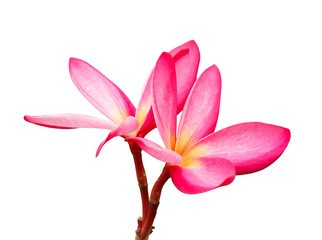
(249, 146)
(202, 174)
(127, 128)
(100, 91)
(156, 151)
(165, 99)
(114, 104)
(186, 59)
(200, 113)
(70, 121)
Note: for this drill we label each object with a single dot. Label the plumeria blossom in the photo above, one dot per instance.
(209, 159)
(103, 94)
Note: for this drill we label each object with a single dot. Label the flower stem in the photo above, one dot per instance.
(154, 203)
(142, 181)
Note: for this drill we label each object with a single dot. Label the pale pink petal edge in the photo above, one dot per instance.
(162, 154)
(69, 121)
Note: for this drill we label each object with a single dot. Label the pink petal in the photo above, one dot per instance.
(200, 113)
(148, 125)
(186, 58)
(69, 121)
(156, 151)
(144, 113)
(100, 91)
(202, 174)
(250, 146)
(127, 128)
(165, 99)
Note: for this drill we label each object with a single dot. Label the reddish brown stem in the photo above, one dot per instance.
(142, 181)
(154, 203)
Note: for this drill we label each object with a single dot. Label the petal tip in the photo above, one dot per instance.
(214, 66)
(165, 55)
(26, 118)
(73, 60)
(288, 133)
(192, 42)
(30, 119)
(100, 148)
(74, 63)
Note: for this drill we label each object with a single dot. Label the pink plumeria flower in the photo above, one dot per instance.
(206, 160)
(104, 95)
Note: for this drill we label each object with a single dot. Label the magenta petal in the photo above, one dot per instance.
(200, 113)
(127, 128)
(70, 121)
(250, 146)
(100, 91)
(156, 151)
(202, 174)
(186, 58)
(165, 99)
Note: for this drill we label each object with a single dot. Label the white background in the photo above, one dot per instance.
(53, 187)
